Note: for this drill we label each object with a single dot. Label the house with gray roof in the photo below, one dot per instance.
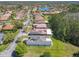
(40, 33)
(1, 38)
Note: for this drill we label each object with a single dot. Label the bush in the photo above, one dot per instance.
(18, 24)
(3, 47)
(20, 49)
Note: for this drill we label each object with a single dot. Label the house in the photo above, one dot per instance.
(51, 12)
(43, 42)
(8, 27)
(40, 33)
(43, 9)
(36, 5)
(39, 19)
(1, 38)
(35, 12)
(40, 26)
(4, 20)
(20, 14)
(5, 16)
(40, 36)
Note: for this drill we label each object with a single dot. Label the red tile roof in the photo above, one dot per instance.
(8, 27)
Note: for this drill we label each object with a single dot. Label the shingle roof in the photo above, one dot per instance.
(39, 17)
(40, 26)
(38, 31)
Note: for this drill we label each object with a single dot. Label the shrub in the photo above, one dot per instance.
(21, 49)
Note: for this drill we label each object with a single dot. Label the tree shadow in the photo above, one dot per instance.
(13, 54)
(76, 54)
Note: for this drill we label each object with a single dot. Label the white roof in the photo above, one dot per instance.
(49, 31)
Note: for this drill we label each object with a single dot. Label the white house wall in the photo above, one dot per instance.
(30, 42)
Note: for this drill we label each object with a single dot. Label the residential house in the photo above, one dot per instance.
(43, 9)
(39, 19)
(8, 27)
(40, 26)
(5, 18)
(51, 12)
(20, 14)
(40, 37)
(1, 38)
(40, 33)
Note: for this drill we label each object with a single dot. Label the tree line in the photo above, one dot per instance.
(65, 27)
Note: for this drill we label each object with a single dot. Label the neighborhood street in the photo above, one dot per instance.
(8, 52)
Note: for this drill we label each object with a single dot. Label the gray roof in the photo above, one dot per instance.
(1, 36)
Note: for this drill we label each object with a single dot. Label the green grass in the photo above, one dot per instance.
(3, 47)
(9, 36)
(58, 49)
(62, 49)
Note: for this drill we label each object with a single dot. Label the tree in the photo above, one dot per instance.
(57, 25)
(1, 8)
(20, 49)
(65, 27)
(76, 54)
(19, 6)
(18, 24)
(73, 7)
